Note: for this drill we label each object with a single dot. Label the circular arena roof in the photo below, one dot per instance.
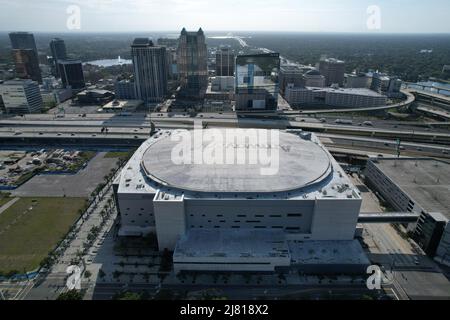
(290, 164)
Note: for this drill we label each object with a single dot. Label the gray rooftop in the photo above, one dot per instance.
(238, 243)
(353, 91)
(302, 163)
(427, 181)
(134, 179)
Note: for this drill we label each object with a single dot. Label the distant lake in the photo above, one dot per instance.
(109, 62)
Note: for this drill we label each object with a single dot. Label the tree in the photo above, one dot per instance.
(127, 295)
(70, 295)
(164, 294)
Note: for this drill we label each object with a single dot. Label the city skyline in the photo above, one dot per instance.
(349, 16)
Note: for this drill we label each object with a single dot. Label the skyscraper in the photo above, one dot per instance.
(23, 40)
(27, 64)
(71, 72)
(224, 62)
(333, 70)
(192, 64)
(257, 83)
(171, 56)
(150, 70)
(25, 56)
(58, 49)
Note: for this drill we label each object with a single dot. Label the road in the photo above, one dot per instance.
(415, 275)
(51, 285)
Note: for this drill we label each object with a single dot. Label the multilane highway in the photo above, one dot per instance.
(18, 126)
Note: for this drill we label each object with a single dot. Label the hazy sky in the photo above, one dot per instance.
(397, 16)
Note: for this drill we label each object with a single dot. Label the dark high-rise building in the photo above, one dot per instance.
(150, 70)
(23, 40)
(25, 56)
(192, 64)
(58, 49)
(257, 83)
(71, 72)
(333, 70)
(224, 62)
(27, 64)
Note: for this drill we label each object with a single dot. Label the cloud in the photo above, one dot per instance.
(230, 15)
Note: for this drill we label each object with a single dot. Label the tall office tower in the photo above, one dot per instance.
(58, 49)
(257, 84)
(27, 64)
(21, 96)
(192, 64)
(23, 40)
(224, 62)
(25, 56)
(150, 70)
(71, 72)
(333, 70)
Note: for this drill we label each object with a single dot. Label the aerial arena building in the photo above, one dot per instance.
(242, 200)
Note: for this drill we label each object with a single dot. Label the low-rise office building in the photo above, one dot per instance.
(334, 97)
(291, 74)
(71, 72)
(21, 96)
(95, 96)
(222, 84)
(333, 70)
(357, 80)
(117, 106)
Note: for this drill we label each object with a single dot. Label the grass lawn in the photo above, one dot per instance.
(32, 228)
(4, 201)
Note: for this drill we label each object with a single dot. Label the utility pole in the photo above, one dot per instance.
(398, 148)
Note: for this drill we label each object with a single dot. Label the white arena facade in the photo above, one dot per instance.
(237, 212)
